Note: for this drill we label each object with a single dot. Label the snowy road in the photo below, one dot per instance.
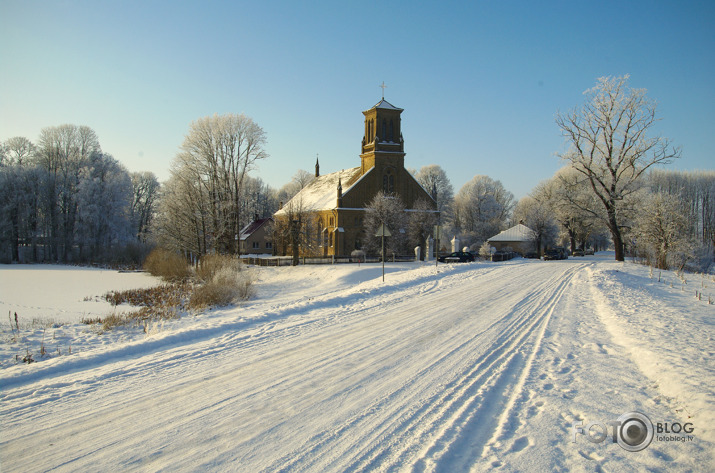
(475, 367)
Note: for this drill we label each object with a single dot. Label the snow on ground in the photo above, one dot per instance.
(63, 294)
(471, 367)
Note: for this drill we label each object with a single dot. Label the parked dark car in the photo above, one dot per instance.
(457, 257)
(578, 253)
(588, 251)
(556, 253)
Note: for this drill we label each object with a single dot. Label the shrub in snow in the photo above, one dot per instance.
(167, 265)
(226, 287)
(485, 251)
(210, 265)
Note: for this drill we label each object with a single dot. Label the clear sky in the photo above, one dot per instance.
(480, 81)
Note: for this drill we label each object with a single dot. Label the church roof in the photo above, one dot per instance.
(384, 104)
(322, 192)
(516, 233)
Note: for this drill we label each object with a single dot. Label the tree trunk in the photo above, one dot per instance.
(617, 242)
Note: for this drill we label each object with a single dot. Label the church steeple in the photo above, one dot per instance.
(340, 192)
(383, 136)
(317, 167)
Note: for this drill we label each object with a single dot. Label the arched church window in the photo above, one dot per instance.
(391, 135)
(384, 129)
(388, 182)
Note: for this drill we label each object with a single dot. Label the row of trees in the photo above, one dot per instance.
(64, 199)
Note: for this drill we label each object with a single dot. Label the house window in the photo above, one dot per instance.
(269, 245)
(256, 245)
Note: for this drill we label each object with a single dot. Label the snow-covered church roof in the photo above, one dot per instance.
(518, 232)
(322, 192)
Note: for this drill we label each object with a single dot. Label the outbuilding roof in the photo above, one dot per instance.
(518, 232)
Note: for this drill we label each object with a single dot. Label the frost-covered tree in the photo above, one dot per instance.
(696, 189)
(389, 210)
(20, 210)
(145, 192)
(63, 151)
(610, 146)
(482, 208)
(658, 231)
(434, 180)
(539, 217)
(104, 199)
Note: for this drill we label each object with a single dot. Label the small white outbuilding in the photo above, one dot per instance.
(519, 238)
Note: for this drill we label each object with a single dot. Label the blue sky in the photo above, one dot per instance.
(480, 81)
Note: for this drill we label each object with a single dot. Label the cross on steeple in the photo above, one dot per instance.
(383, 87)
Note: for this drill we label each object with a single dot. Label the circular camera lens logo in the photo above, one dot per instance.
(635, 432)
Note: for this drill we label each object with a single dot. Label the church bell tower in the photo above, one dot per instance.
(382, 144)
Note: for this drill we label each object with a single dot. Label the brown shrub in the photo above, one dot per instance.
(167, 265)
(210, 265)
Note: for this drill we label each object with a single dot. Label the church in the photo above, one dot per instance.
(331, 209)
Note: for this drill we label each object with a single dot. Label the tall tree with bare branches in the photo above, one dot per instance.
(611, 147)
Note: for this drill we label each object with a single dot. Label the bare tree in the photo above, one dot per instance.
(297, 231)
(299, 180)
(610, 145)
(218, 152)
(16, 151)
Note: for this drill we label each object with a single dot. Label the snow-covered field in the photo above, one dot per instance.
(471, 367)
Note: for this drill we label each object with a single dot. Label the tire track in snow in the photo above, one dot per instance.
(400, 439)
(378, 386)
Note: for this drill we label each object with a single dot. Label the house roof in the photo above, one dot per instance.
(322, 192)
(249, 229)
(518, 232)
